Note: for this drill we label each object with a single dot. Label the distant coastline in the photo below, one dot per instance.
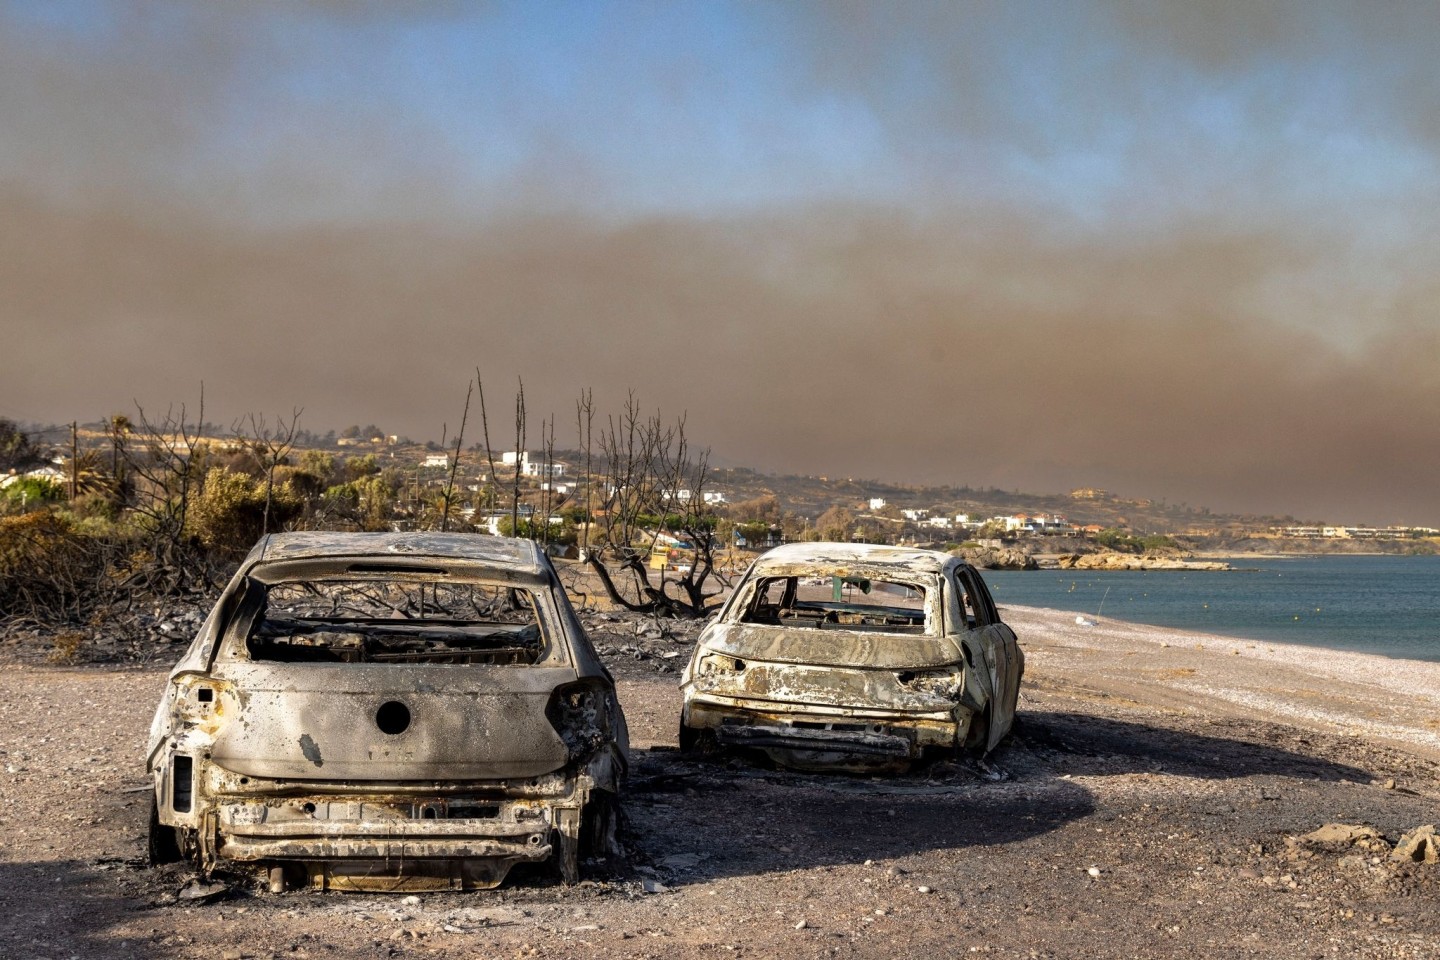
(1387, 605)
(1126, 561)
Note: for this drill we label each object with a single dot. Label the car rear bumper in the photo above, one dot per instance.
(854, 731)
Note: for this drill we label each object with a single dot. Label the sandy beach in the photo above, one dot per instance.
(1337, 692)
(1155, 801)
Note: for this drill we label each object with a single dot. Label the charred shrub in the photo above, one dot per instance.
(229, 515)
(50, 570)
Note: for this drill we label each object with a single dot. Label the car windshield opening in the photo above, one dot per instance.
(838, 602)
(393, 620)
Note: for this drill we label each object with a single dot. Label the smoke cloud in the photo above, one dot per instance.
(1215, 332)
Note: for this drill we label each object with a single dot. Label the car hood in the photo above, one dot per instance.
(830, 647)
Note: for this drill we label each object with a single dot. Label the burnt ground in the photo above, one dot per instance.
(1117, 822)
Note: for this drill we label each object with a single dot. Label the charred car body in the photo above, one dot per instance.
(853, 656)
(388, 712)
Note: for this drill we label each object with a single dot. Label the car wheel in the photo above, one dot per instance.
(697, 741)
(600, 829)
(567, 858)
(978, 738)
(164, 846)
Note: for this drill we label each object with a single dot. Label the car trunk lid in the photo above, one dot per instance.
(832, 647)
(372, 722)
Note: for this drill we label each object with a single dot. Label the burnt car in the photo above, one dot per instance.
(853, 656)
(388, 711)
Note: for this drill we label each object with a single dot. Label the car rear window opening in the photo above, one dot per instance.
(394, 620)
(838, 602)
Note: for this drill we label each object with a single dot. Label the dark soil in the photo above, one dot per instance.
(1108, 826)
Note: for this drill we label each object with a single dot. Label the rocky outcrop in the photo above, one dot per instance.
(1125, 561)
(1344, 833)
(1418, 846)
(997, 558)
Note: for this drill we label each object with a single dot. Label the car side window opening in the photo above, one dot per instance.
(385, 620)
(976, 604)
(839, 602)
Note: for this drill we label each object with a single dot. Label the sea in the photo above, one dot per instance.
(1376, 604)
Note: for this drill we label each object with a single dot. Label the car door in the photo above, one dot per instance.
(1002, 652)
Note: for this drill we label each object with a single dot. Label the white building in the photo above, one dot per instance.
(531, 467)
(877, 503)
(535, 468)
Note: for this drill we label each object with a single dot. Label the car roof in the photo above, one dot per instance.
(517, 554)
(784, 559)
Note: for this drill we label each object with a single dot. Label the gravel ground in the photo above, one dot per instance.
(1154, 802)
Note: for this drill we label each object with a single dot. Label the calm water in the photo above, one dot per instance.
(1385, 605)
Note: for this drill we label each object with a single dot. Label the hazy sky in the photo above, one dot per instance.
(1176, 250)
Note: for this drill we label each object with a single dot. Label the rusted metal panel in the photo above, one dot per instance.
(837, 648)
(312, 721)
(519, 555)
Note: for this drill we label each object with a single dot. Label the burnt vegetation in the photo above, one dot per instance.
(139, 511)
(149, 511)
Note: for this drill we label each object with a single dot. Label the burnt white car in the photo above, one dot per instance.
(853, 656)
(379, 711)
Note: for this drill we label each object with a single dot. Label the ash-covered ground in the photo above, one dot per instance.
(1154, 802)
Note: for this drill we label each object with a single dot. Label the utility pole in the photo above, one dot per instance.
(74, 457)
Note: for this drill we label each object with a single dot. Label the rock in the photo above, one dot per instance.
(1093, 871)
(1125, 561)
(801, 925)
(198, 891)
(1342, 833)
(997, 558)
(411, 901)
(923, 889)
(653, 886)
(1419, 845)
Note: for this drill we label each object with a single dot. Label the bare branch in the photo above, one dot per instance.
(455, 465)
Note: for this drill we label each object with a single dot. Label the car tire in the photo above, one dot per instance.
(566, 859)
(689, 739)
(978, 738)
(600, 829)
(164, 842)
(698, 741)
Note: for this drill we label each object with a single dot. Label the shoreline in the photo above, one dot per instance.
(1364, 695)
